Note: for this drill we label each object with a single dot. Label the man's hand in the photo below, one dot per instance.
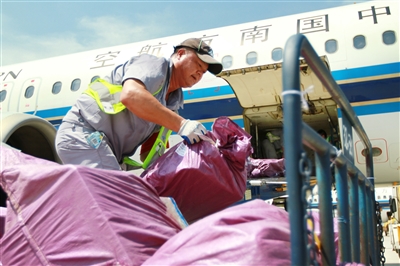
(190, 131)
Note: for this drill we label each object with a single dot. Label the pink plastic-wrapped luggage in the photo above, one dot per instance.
(204, 178)
(74, 215)
(266, 168)
(252, 233)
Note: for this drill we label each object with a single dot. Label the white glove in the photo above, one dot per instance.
(191, 130)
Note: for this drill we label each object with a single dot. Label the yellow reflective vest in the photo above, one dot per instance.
(107, 95)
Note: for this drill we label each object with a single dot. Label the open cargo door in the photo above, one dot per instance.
(259, 91)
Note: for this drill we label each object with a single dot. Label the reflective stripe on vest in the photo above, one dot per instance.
(158, 149)
(108, 95)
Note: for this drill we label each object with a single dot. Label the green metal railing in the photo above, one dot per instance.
(356, 201)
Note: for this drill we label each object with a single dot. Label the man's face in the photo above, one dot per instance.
(189, 68)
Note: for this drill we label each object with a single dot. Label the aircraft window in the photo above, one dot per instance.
(331, 46)
(3, 95)
(56, 87)
(227, 61)
(359, 42)
(75, 85)
(277, 54)
(388, 37)
(94, 78)
(251, 58)
(375, 152)
(29, 92)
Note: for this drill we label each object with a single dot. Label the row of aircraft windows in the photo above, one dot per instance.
(331, 46)
(75, 86)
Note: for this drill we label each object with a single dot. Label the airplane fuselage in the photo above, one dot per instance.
(360, 42)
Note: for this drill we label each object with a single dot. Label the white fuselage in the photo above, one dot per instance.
(356, 39)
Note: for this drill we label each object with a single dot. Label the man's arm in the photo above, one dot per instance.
(140, 102)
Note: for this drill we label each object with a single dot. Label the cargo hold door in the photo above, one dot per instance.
(258, 90)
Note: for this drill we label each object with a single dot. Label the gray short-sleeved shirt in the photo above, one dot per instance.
(125, 131)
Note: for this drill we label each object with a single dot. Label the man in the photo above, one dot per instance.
(109, 122)
(325, 136)
(322, 133)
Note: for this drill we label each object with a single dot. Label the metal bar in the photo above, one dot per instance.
(293, 147)
(343, 213)
(324, 181)
(257, 143)
(354, 219)
(370, 228)
(363, 225)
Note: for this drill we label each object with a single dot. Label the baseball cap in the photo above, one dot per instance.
(204, 52)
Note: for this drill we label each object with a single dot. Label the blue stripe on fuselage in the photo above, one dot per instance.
(48, 113)
(372, 90)
(373, 109)
(364, 72)
(339, 75)
(207, 92)
(207, 108)
(211, 109)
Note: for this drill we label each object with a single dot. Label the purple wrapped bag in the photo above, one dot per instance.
(266, 168)
(206, 177)
(75, 215)
(252, 233)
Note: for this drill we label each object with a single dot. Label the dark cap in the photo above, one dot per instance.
(204, 52)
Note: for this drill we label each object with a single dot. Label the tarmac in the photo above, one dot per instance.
(392, 258)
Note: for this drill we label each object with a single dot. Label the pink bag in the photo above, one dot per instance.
(75, 215)
(204, 178)
(266, 168)
(252, 233)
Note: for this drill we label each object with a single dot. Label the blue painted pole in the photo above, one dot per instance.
(324, 181)
(354, 219)
(293, 147)
(364, 223)
(371, 222)
(343, 212)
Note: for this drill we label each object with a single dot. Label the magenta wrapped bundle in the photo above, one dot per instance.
(252, 233)
(74, 215)
(266, 168)
(206, 177)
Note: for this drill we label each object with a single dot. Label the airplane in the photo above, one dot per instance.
(383, 195)
(358, 43)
